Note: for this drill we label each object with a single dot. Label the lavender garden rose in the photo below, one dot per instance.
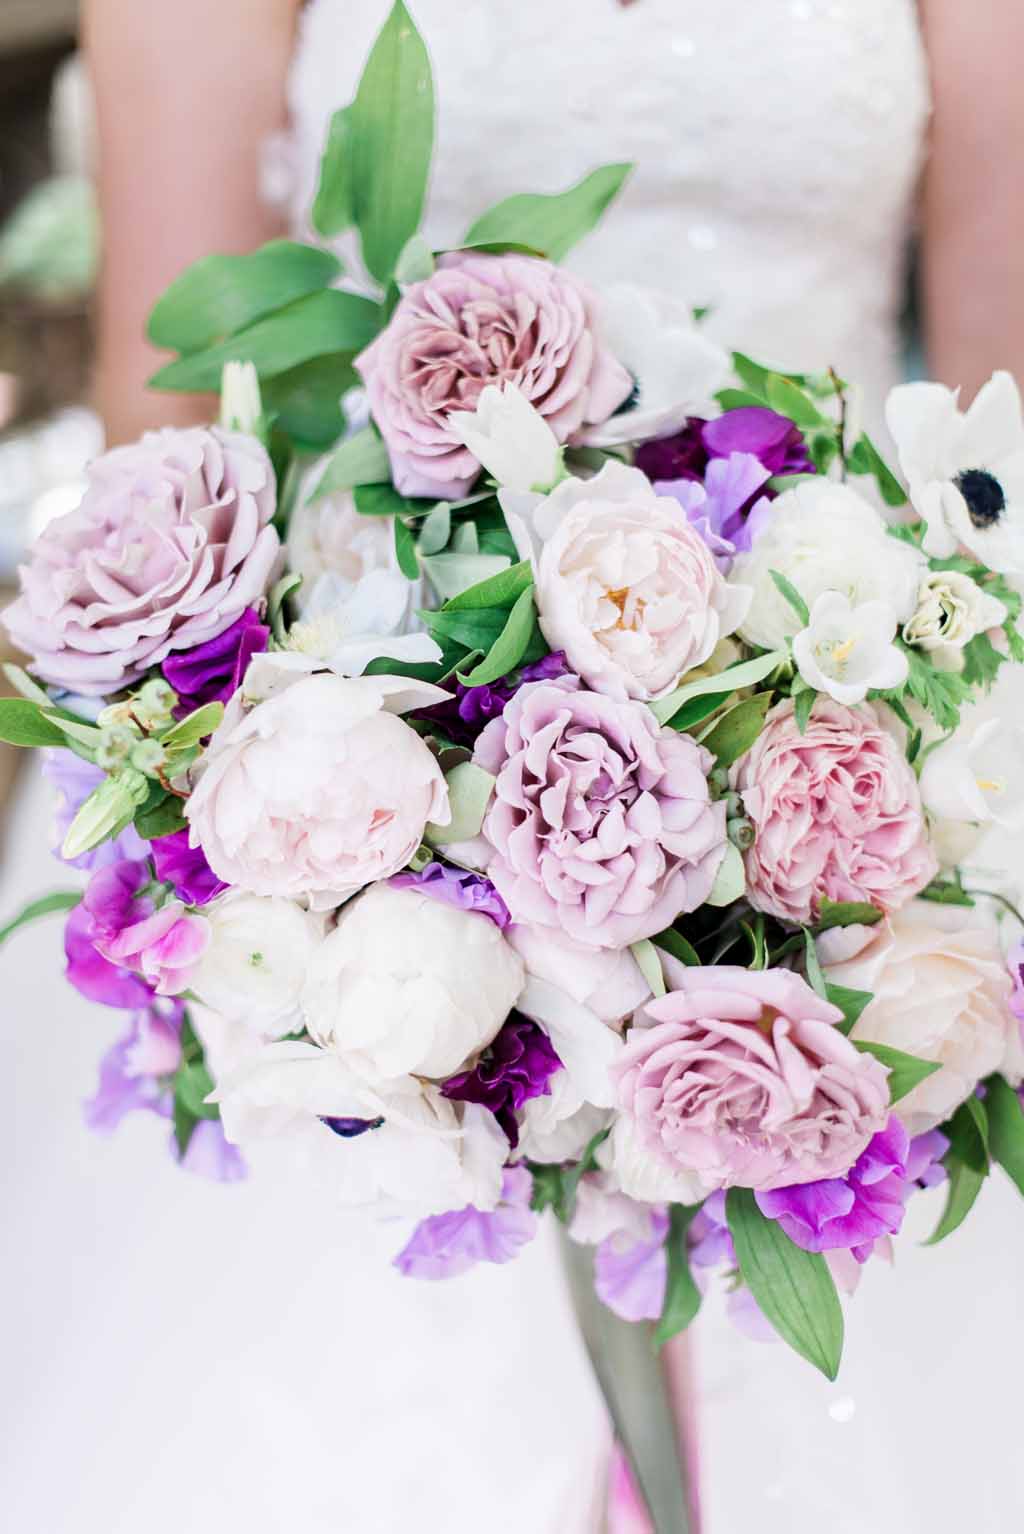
(478, 320)
(601, 823)
(170, 545)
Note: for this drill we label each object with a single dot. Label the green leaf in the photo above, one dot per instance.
(788, 399)
(946, 892)
(510, 646)
(756, 377)
(436, 530)
(382, 499)
(316, 326)
(812, 964)
(792, 596)
(966, 1162)
(864, 458)
(846, 913)
(220, 295)
(469, 793)
(982, 662)
(737, 730)
(649, 965)
(185, 1122)
(851, 1003)
(730, 880)
(160, 817)
(75, 731)
(476, 629)
(60, 900)
(1006, 1128)
(451, 573)
(794, 1288)
(696, 711)
(549, 224)
(194, 727)
(378, 156)
(804, 700)
(746, 674)
(416, 261)
(905, 1071)
(24, 724)
(361, 461)
(682, 1297)
(305, 402)
(674, 943)
(334, 207)
(503, 590)
(738, 399)
(405, 551)
(940, 693)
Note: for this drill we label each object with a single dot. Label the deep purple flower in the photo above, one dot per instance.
(448, 1244)
(213, 671)
(210, 1154)
(630, 1276)
(185, 868)
(463, 716)
(74, 779)
(516, 1066)
(546, 669)
(850, 1212)
(773, 439)
(682, 456)
(457, 887)
(134, 1071)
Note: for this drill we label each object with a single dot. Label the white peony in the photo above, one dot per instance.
(980, 779)
(952, 609)
(625, 586)
(255, 963)
(406, 984)
(964, 469)
(940, 991)
(329, 537)
(676, 369)
(607, 981)
(511, 439)
(845, 651)
(823, 536)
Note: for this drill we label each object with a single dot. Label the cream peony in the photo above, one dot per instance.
(255, 963)
(941, 992)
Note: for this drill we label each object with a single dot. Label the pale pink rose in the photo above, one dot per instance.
(319, 789)
(836, 813)
(170, 544)
(601, 825)
(607, 981)
(742, 1077)
(941, 992)
(477, 320)
(165, 947)
(625, 586)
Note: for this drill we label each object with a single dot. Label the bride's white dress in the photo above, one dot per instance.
(183, 1356)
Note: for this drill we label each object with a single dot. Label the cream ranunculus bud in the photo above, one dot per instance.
(241, 407)
(255, 963)
(977, 780)
(952, 609)
(408, 985)
(511, 439)
(846, 651)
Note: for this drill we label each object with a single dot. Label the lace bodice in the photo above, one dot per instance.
(777, 145)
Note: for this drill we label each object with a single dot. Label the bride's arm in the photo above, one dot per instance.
(186, 91)
(973, 275)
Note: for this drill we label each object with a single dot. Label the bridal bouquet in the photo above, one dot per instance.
(518, 766)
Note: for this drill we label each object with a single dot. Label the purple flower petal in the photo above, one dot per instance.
(446, 1245)
(517, 1066)
(209, 1154)
(457, 887)
(630, 1278)
(185, 869)
(213, 671)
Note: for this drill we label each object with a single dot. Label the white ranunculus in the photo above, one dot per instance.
(823, 536)
(329, 537)
(940, 991)
(607, 981)
(641, 1175)
(952, 609)
(510, 438)
(240, 404)
(406, 984)
(845, 651)
(254, 965)
(978, 779)
(625, 586)
(345, 626)
(675, 366)
(964, 469)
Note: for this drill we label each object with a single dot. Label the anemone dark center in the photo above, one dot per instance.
(984, 495)
(632, 399)
(349, 1128)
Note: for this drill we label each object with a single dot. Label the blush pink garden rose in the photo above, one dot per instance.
(478, 320)
(319, 789)
(626, 587)
(836, 813)
(941, 991)
(170, 544)
(742, 1078)
(602, 825)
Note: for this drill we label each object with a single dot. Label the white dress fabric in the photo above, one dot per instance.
(180, 1355)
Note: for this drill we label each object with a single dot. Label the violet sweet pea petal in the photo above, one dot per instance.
(95, 977)
(185, 869)
(446, 1245)
(630, 1276)
(771, 438)
(516, 1066)
(457, 887)
(213, 671)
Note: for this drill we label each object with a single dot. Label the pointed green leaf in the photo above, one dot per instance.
(549, 224)
(360, 461)
(682, 1297)
(24, 724)
(1006, 1128)
(966, 1163)
(851, 1003)
(649, 965)
(794, 1288)
(334, 206)
(509, 647)
(736, 731)
(305, 402)
(866, 459)
(747, 674)
(60, 900)
(405, 551)
(194, 727)
(380, 498)
(788, 399)
(792, 596)
(502, 590)
(674, 943)
(804, 700)
(812, 964)
(905, 1071)
(846, 913)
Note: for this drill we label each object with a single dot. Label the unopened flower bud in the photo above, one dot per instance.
(106, 812)
(148, 756)
(740, 832)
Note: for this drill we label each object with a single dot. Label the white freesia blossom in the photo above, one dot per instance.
(625, 586)
(510, 438)
(978, 779)
(823, 536)
(240, 404)
(964, 469)
(845, 650)
(406, 984)
(254, 966)
(346, 625)
(675, 366)
(952, 609)
(329, 537)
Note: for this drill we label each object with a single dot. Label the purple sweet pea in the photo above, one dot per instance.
(74, 780)
(134, 1072)
(726, 509)
(850, 1212)
(463, 716)
(209, 1154)
(711, 1246)
(682, 456)
(457, 887)
(773, 439)
(89, 972)
(516, 1066)
(185, 869)
(213, 671)
(924, 1160)
(630, 1276)
(446, 1245)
